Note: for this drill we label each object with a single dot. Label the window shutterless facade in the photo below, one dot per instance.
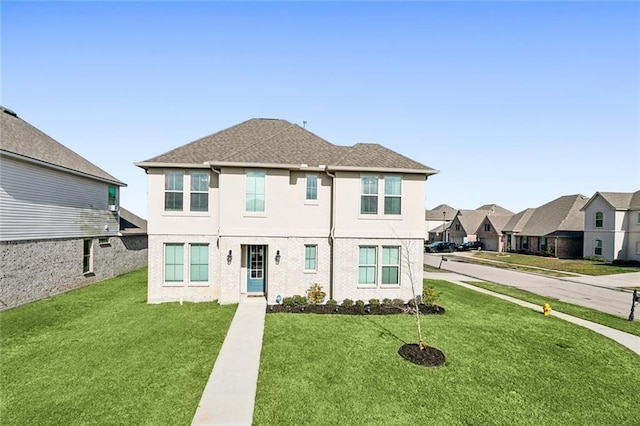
(367, 265)
(310, 257)
(173, 191)
(524, 242)
(599, 221)
(199, 262)
(369, 195)
(390, 265)
(174, 262)
(312, 188)
(255, 191)
(392, 195)
(597, 247)
(112, 195)
(199, 192)
(87, 256)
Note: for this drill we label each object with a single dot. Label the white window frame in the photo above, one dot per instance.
(311, 182)
(384, 264)
(181, 281)
(597, 245)
(368, 266)
(368, 194)
(391, 196)
(191, 264)
(247, 193)
(315, 257)
(198, 191)
(595, 221)
(171, 187)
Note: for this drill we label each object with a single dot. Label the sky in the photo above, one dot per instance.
(515, 103)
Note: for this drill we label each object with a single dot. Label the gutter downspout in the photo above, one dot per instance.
(332, 237)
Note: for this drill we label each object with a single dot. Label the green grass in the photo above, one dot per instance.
(575, 266)
(632, 327)
(505, 365)
(102, 355)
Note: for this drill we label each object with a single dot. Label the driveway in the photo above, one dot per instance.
(600, 293)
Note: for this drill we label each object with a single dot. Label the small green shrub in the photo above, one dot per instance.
(288, 301)
(387, 302)
(360, 303)
(315, 295)
(374, 303)
(332, 302)
(299, 300)
(429, 296)
(412, 303)
(398, 303)
(347, 303)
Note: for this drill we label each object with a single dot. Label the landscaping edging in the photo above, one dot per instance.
(355, 310)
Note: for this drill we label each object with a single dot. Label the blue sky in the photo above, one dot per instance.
(516, 103)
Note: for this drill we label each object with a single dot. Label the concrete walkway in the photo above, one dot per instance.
(625, 339)
(229, 396)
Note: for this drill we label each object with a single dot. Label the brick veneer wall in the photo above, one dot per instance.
(35, 269)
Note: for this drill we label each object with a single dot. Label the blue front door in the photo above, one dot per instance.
(255, 269)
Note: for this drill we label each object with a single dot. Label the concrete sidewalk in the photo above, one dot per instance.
(229, 396)
(625, 339)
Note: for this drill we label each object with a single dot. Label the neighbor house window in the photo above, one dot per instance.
(199, 192)
(487, 227)
(312, 187)
(597, 247)
(255, 192)
(638, 217)
(310, 257)
(392, 194)
(367, 265)
(173, 191)
(112, 195)
(543, 244)
(173, 262)
(87, 256)
(390, 265)
(199, 262)
(599, 219)
(369, 195)
(524, 242)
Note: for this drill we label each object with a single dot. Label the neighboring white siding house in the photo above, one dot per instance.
(612, 226)
(266, 208)
(58, 214)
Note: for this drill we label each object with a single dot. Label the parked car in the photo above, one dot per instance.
(471, 245)
(440, 247)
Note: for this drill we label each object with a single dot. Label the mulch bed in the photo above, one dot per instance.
(428, 356)
(354, 310)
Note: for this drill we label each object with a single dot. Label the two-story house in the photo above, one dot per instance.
(267, 208)
(612, 226)
(59, 220)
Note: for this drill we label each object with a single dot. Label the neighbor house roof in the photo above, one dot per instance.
(562, 214)
(436, 213)
(498, 221)
(517, 221)
(131, 224)
(495, 209)
(279, 143)
(619, 200)
(470, 220)
(21, 140)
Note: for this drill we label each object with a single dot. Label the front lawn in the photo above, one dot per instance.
(576, 266)
(505, 365)
(102, 355)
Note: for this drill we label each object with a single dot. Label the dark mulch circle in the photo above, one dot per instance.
(429, 356)
(354, 310)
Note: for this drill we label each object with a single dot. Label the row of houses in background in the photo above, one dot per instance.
(605, 226)
(61, 225)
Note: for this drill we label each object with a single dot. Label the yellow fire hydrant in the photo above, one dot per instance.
(546, 309)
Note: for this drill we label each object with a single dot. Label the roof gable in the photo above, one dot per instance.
(562, 214)
(436, 213)
(470, 220)
(24, 141)
(618, 200)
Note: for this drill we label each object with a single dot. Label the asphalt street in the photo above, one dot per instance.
(605, 294)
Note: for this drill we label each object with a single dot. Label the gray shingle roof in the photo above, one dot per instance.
(562, 214)
(498, 221)
(131, 224)
(23, 140)
(471, 219)
(272, 141)
(436, 212)
(518, 220)
(620, 200)
(495, 209)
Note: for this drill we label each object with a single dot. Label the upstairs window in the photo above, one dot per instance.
(367, 265)
(369, 195)
(173, 187)
(199, 192)
(392, 194)
(599, 219)
(254, 195)
(457, 227)
(112, 195)
(390, 265)
(312, 187)
(487, 227)
(597, 247)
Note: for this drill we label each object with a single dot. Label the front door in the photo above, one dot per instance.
(255, 269)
